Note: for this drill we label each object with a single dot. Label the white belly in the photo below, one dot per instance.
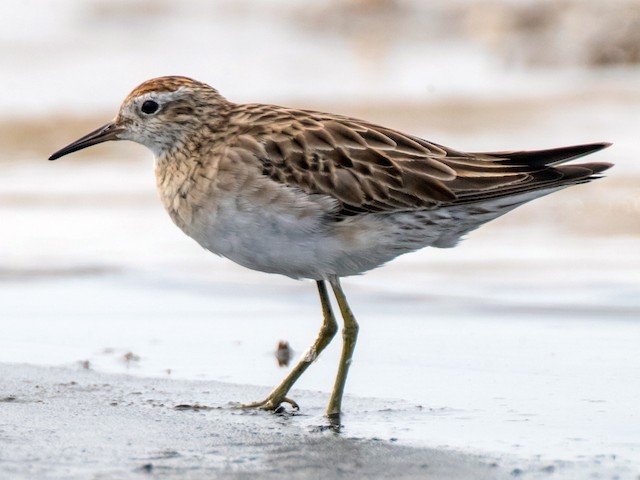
(311, 247)
(300, 241)
(268, 241)
(277, 229)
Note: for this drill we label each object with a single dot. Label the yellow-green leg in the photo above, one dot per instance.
(325, 335)
(349, 337)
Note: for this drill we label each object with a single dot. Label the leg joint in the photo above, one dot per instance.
(329, 329)
(350, 331)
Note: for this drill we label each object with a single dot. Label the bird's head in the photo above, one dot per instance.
(160, 114)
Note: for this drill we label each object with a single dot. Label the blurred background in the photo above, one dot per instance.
(93, 273)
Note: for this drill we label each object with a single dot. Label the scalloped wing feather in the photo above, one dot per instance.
(369, 168)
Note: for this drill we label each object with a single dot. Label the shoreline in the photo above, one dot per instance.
(69, 423)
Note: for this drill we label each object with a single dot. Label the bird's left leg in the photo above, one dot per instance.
(349, 337)
(325, 335)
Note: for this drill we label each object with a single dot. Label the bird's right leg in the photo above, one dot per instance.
(325, 335)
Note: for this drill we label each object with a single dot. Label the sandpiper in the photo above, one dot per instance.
(319, 196)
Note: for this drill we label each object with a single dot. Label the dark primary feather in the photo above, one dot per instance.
(369, 168)
(552, 156)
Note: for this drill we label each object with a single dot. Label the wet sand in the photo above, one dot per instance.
(70, 424)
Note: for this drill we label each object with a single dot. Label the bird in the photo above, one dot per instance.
(320, 196)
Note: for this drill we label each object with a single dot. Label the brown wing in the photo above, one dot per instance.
(369, 168)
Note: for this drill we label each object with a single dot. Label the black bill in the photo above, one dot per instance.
(103, 134)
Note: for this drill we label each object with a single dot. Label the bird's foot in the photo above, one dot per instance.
(272, 403)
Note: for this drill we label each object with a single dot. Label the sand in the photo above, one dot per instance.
(58, 423)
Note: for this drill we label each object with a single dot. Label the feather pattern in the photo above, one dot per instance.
(368, 168)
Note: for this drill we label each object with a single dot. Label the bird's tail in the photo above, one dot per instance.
(539, 172)
(548, 157)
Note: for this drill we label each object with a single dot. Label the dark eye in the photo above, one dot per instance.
(150, 107)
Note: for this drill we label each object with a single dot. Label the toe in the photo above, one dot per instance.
(271, 404)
